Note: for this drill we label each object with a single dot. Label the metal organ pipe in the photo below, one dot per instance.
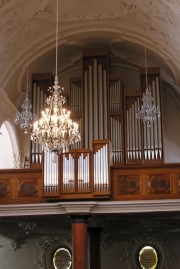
(95, 100)
(101, 176)
(159, 120)
(50, 173)
(139, 133)
(83, 172)
(90, 115)
(105, 103)
(128, 135)
(86, 107)
(34, 110)
(116, 127)
(155, 126)
(68, 173)
(39, 104)
(152, 135)
(75, 106)
(133, 136)
(100, 125)
(133, 132)
(136, 132)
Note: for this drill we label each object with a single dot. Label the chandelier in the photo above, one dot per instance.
(55, 130)
(148, 112)
(26, 117)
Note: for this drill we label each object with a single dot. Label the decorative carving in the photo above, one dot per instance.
(3, 188)
(159, 184)
(27, 226)
(128, 7)
(27, 188)
(44, 246)
(47, 247)
(128, 185)
(130, 248)
(14, 245)
(178, 182)
(3, 3)
(42, 13)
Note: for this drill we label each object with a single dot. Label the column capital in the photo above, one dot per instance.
(83, 208)
(79, 218)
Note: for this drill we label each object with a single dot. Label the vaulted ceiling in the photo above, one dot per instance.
(126, 27)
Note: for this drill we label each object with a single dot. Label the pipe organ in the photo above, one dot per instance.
(105, 110)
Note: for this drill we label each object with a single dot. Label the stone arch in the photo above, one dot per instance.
(10, 153)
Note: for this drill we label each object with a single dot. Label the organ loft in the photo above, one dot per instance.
(111, 133)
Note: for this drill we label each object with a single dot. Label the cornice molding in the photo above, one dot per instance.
(91, 207)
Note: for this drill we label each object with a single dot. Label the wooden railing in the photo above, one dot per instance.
(88, 174)
(20, 186)
(146, 182)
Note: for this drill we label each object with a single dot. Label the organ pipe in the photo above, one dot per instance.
(101, 172)
(90, 112)
(50, 173)
(95, 99)
(115, 96)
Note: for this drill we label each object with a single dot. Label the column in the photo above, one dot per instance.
(95, 247)
(79, 241)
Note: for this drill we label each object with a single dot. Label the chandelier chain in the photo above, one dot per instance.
(26, 117)
(55, 130)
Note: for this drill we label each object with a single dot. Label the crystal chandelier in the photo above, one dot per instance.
(26, 117)
(55, 130)
(148, 112)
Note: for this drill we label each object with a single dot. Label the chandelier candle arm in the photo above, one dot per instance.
(55, 130)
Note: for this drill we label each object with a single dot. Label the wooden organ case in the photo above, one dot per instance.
(106, 112)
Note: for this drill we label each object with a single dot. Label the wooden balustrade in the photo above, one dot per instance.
(87, 174)
(21, 186)
(147, 182)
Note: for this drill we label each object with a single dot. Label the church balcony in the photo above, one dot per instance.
(88, 174)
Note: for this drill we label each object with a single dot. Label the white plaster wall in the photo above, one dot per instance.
(117, 252)
(171, 127)
(23, 258)
(29, 252)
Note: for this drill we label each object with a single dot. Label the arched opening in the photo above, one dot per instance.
(9, 153)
